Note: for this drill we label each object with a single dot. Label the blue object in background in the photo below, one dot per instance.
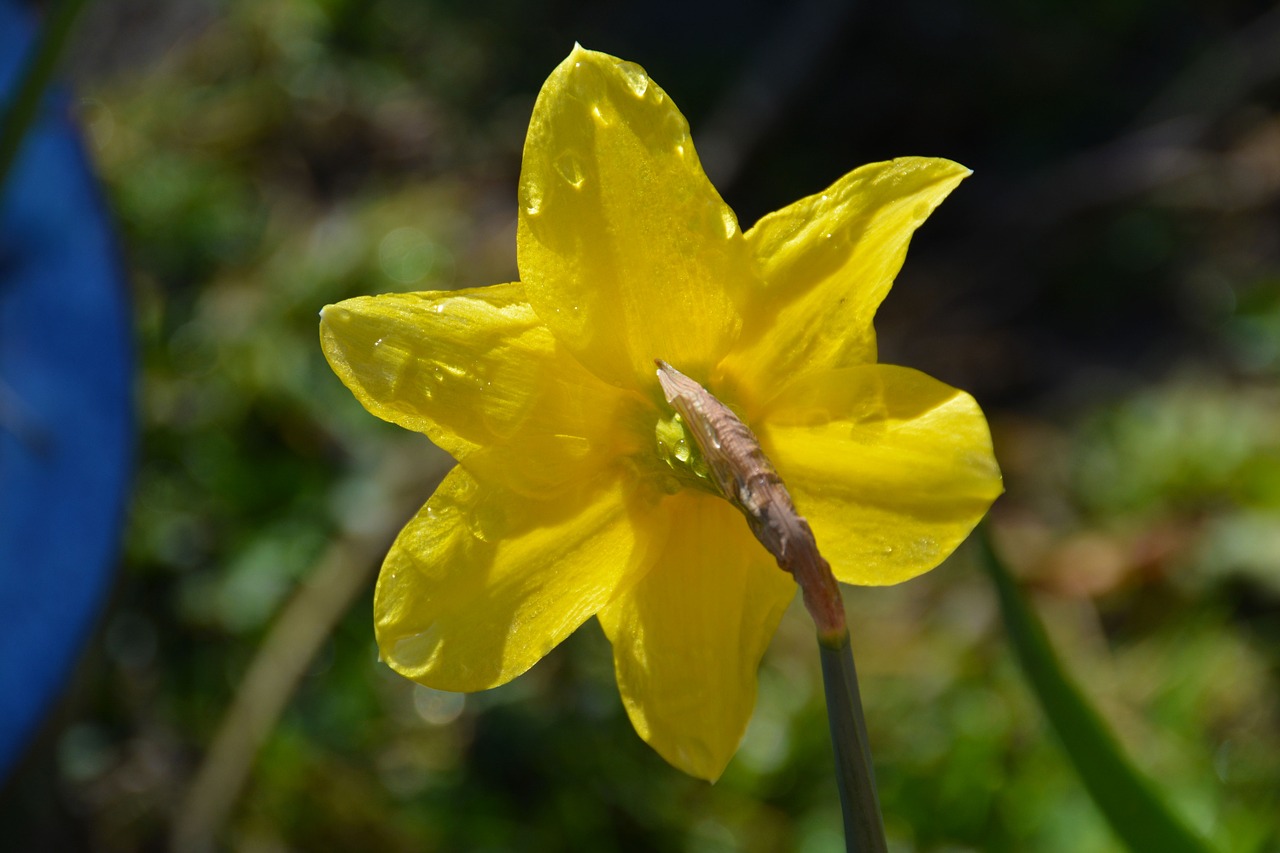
(66, 413)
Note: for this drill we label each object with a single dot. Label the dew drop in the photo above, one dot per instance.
(676, 127)
(378, 342)
(729, 221)
(637, 80)
(438, 374)
(531, 197)
(406, 379)
(570, 168)
(700, 467)
(680, 151)
(925, 549)
(416, 649)
(603, 115)
(335, 314)
(682, 450)
(487, 520)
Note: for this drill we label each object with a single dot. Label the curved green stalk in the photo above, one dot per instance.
(1130, 803)
(859, 800)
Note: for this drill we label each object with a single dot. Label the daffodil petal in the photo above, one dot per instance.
(827, 262)
(688, 637)
(891, 467)
(470, 368)
(627, 251)
(482, 583)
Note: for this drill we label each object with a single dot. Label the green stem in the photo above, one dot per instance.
(23, 107)
(859, 801)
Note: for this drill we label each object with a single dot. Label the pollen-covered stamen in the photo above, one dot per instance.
(747, 479)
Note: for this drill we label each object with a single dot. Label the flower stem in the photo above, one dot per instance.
(855, 776)
(747, 479)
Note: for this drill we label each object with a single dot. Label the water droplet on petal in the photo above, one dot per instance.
(487, 520)
(729, 221)
(602, 114)
(335, 314)
(637, 80)
(675, 126)
(682, 450)
(416, 649)
(531, 197)
(406, 379)
(570, 168)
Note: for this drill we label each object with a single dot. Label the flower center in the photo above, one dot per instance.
(685, 466)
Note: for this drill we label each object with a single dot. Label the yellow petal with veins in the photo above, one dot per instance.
(688, 638)
(471, 369)
(627, 251)
(891, 467)
(827, 262)
(482, 583)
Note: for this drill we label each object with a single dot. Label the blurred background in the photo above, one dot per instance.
(1107, 285)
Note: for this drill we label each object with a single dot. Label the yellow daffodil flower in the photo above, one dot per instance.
(577, 491)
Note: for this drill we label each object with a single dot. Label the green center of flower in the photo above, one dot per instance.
(685, 466)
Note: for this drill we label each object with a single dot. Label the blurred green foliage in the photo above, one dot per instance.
(289, 153)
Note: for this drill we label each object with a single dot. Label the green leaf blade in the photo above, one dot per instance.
(1128, 800)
